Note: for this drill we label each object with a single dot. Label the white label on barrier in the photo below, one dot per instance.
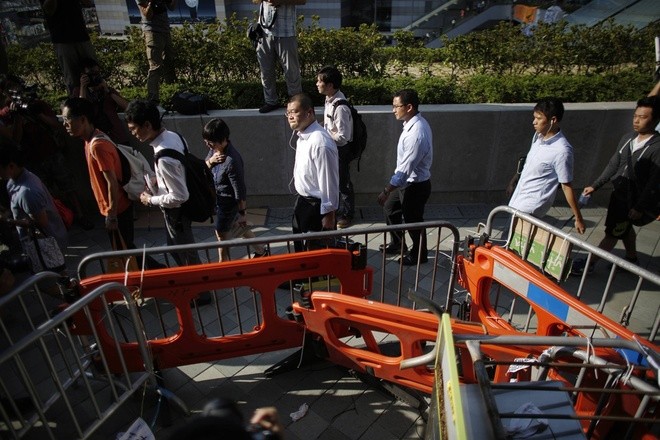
(138, 430)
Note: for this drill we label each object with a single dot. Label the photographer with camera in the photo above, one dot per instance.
(33, 125)
(106, 100)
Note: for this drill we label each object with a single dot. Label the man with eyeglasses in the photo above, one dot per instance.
(105, 172)
(405, 195)
(315, 172)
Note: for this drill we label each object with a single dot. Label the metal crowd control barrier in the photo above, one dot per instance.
(54, 383)
(559, 378)
(443, 244)
(625, 279)
(222, 310)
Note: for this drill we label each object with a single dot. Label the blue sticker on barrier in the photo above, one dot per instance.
(547, 301)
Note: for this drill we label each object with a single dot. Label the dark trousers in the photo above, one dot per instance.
(179, 231)
(306, 218)
(126, 229)
(346, 193)
(408, 205)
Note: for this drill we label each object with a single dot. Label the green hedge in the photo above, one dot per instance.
(608, 62)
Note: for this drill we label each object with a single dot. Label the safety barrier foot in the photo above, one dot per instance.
(311, 352)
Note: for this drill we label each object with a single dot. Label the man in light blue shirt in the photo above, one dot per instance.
(548, 165)
(406, 194)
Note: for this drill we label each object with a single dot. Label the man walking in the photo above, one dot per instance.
(105, 172)
(278, 44)
(170, 191)
(315, 171)
(634, 171)
(406, 194)
(549, 164)
(338, 121)
(156, 30)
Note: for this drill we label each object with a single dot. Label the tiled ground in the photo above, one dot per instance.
(340, 406)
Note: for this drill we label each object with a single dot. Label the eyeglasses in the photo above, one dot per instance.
(290, 112)
(398, 105)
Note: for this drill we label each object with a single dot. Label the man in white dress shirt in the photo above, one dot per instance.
(171, 191)
(315, 172)
(338, 121)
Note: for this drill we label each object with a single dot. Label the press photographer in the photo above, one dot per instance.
(33, 125)
(107, 101)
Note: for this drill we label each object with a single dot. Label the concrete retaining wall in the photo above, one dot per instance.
(476, 148)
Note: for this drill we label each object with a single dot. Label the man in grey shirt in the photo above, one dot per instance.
(278, 21)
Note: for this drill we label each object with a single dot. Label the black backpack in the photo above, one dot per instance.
(201, 200)
(359, 142)
(188, 103)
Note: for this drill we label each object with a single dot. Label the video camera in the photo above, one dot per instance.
(23, 98)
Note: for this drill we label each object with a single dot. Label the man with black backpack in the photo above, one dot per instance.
(170, 190)
(338, 122)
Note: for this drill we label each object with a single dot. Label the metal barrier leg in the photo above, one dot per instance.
(306, 355)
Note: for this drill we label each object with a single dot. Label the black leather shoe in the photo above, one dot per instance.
(409, 260)
(266, 108)
(392, 248)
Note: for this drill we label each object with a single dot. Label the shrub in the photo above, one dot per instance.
(578, 63)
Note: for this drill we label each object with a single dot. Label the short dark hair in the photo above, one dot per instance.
(303, 99)
(408, 96)
(652, 102)
(10, 152)
(80, 107)
(210, 428)
(550, 107)
(220, 418)
(216, 130)
(141, 111)
(331, 75)
(89, 63)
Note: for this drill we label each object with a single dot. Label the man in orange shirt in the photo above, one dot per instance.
(104, 166)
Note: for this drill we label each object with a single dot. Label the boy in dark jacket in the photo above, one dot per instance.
(634, 171)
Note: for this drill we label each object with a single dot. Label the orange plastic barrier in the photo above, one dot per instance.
(556, 311)
(181, 285)
(331, 314)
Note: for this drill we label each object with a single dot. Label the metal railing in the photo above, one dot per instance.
(54, 383)
(393, 279)
(557, 376)
(623, 392)
(624, 279)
